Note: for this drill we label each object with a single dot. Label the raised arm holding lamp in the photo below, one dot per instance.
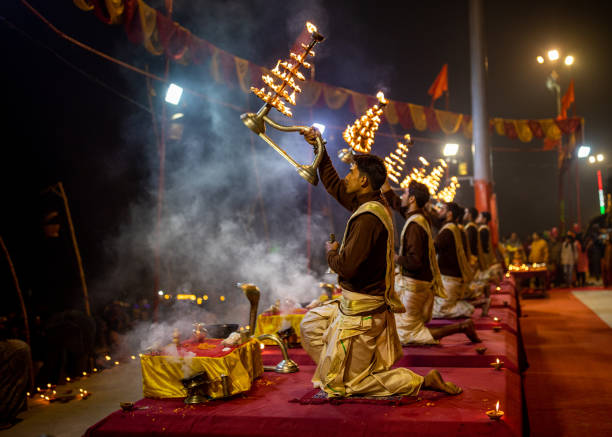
(353, 339)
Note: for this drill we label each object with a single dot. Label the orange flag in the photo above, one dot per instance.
(567, 100)
(440, 85)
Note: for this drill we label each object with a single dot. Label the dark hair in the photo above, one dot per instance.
(487, 216)
(473, 213)
(459, 218)
(455, 210)
(420, 193)
(373, 168)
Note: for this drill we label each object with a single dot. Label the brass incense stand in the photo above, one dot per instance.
(252, 293)
(197, 388)
(286, 72)
(287, 365)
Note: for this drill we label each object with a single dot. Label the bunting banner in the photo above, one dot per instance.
(161, 36)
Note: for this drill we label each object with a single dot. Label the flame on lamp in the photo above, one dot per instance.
(360, 135)
(286, 73)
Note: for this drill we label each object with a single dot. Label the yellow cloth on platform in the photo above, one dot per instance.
(161, 375)
(274, 323)
(418, 297)
(354, 353)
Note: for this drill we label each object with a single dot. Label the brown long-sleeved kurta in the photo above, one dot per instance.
(464, 242)
(447, 254)
(484, 239)
(361, 267)
(472, 234)
(414, 259)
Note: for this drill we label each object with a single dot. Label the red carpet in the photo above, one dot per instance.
(266, 411)
(568, 386)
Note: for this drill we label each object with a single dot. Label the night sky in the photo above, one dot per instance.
(74, 117)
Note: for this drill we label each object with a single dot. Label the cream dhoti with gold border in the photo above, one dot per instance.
(354, 353)
(418, 298)
(353, 339)
(453, 306)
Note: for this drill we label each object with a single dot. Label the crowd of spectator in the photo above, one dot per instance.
(574, 259)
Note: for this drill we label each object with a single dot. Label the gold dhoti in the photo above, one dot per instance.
(453, 306)
(354, 353)
(417, 297)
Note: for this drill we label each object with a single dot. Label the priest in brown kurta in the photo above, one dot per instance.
(419, 279)
(454, 267)
(480, 285)
(353, 339)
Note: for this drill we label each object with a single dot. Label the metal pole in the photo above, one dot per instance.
(76, 248)
(480, 116)
(160, 185)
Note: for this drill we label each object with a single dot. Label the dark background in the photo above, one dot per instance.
(74, 117)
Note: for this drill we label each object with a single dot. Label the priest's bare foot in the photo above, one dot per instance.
(470, 330)
(433, 381)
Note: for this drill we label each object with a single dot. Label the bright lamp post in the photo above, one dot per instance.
(552, 57)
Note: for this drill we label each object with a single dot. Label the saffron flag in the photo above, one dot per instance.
(440, 85)
(567, 100)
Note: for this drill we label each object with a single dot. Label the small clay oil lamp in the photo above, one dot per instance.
(495, 414)
(497, 364)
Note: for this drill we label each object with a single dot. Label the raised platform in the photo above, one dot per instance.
(503, 301)
(454, 351)
(266, 411)
(507, 320)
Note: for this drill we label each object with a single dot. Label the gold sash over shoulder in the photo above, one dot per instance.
(390, 298)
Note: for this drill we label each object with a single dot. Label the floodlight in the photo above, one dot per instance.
(540, 59)
(320, 127)
(600, 157)
(591, 159)
(569, 60)
(583, 151)
(174, 93)
(450, 149)
(553, 55)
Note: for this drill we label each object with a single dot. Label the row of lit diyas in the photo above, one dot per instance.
(395, 160)
(286, 73)
(49, 393)
(360, 135)
(188, 297)
(535, 267)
